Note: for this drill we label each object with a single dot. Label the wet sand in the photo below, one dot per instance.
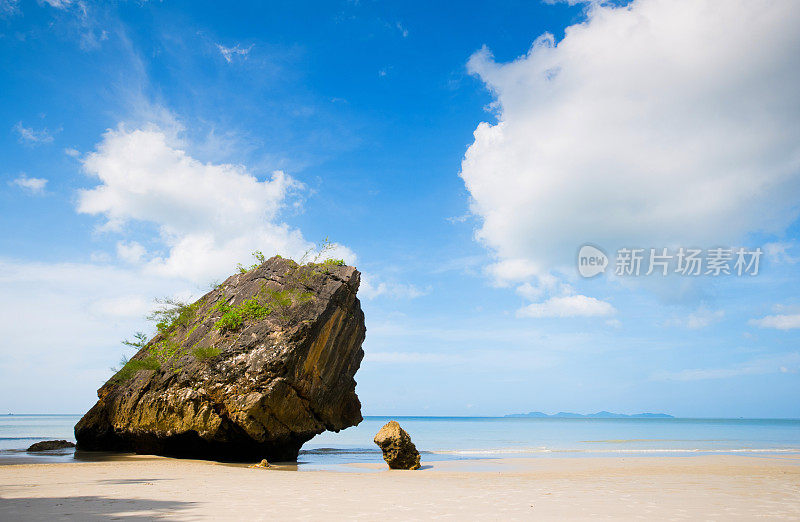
(142, 488)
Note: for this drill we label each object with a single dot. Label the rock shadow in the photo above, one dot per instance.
(88, 508)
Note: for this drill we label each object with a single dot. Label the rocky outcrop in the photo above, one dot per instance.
(49, 445)
(398, 450)
(252, 370)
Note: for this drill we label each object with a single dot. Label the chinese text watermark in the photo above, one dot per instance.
(689, 262)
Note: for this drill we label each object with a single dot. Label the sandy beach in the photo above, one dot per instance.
(142, 488)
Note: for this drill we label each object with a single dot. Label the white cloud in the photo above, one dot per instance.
(209, 216)
(62, 325)
(779, 252)
(229, 53)
(29, 135)
(58, 4)
(660, 123)
(62, 322)
(32, 185)
(127, 306)
(371, 287)
(703, 318)
(514, 269)
(530, 292)
(130, 251)
(779, 321)
(567, 306)
(80, 19)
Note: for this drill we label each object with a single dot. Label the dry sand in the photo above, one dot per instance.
(658, 488)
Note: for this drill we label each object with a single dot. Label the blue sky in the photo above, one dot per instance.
(457, 154)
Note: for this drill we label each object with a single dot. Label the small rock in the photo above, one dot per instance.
(398, 450)
(262, 464)
(47, 445)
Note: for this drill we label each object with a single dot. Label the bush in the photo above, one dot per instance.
(259, 257)
(172, 314)
(129, 368)
(203, 353)
(140, 341)
(234, 316)
(167, 353)
(229, 321)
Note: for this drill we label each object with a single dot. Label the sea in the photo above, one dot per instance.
(473, 438)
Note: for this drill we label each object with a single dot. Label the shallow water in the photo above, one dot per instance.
(448, 438)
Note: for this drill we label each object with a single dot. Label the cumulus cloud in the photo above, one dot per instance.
(567, 306)
(130, 251)
(229, 53)
(660, 123)
(181, 224)
(32, 185)
(209, 216)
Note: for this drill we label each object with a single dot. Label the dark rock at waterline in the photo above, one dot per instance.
(398, 450)
(258, 389)
(48, 445)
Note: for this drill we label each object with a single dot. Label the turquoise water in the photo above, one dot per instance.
(447, 438)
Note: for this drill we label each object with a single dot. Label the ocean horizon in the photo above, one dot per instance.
(441, 438)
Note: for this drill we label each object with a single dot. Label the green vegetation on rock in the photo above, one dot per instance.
(172, 314)
(204, 353)
(173, 317)
(284, 374)
(129, 367)
(164, 353)
(233, 316)
(260, 259)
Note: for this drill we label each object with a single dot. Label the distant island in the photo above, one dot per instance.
(598, 415)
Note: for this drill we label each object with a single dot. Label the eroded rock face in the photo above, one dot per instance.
(255, 390)
(398, 450)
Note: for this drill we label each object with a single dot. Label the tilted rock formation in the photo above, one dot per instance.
(252, 370)
(398, 450)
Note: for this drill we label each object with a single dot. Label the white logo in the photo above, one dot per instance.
(591, 261)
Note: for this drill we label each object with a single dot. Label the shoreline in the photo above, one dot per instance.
(707, 486)
(15, 457)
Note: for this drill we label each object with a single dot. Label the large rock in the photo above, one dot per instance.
(49, 445)
(207, 387)
(398, 450)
